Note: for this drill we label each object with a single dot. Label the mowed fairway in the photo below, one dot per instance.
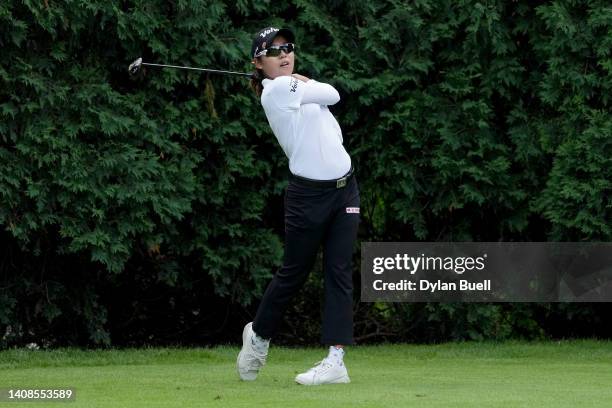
(552, 374)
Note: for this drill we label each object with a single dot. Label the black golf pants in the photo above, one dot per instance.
(316, 216)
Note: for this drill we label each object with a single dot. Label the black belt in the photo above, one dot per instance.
(337, 183)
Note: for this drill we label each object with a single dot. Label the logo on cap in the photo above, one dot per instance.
(268, 31)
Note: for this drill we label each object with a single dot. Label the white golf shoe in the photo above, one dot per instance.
(251, 358)
(326, 371)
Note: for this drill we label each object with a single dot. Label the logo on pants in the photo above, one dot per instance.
(352, 210)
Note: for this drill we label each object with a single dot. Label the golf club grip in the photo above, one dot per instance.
(214, 71)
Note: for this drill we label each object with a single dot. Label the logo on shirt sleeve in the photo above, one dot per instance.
(352, 210)
(293, 84)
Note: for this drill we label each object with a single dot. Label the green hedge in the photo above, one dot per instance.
(467, 120)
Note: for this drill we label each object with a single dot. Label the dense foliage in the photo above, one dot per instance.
(149, 209)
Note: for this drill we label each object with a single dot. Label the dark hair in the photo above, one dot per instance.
(258, 77)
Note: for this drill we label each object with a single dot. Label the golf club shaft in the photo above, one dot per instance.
(216, 71)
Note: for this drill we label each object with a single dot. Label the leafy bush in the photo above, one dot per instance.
(136, 209)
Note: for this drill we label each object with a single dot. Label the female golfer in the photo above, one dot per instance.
(321, 208)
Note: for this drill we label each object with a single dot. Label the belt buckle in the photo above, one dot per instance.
(341, 182)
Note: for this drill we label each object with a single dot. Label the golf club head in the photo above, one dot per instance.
(135, 66)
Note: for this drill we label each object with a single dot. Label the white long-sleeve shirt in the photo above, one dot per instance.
(305, 128)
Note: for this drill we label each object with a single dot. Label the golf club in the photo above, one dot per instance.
(135, 67)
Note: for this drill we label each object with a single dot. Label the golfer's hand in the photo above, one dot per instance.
(300, 77)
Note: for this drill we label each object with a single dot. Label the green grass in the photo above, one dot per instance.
(553, 374)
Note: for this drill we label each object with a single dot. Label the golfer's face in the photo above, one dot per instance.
(276, 66)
